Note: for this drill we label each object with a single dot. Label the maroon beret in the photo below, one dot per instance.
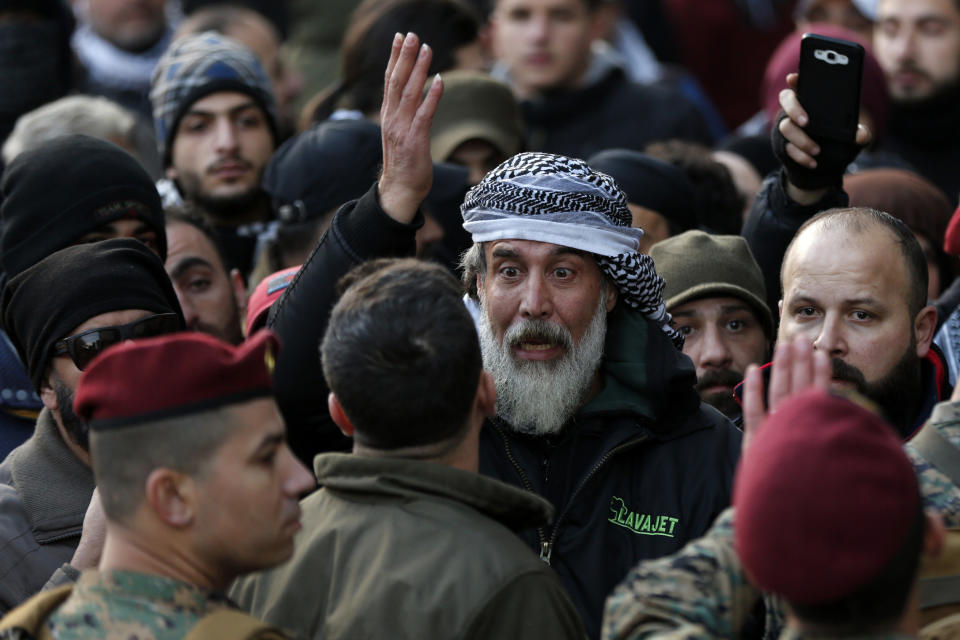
(824, 499)
(173, 375)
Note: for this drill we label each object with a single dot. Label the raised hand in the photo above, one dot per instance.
(405, 119)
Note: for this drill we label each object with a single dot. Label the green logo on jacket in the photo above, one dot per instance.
(640, 523)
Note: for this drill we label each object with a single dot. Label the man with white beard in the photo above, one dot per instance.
(596, 405)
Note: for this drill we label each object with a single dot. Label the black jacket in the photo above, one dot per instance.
(640, 471)
(612, 112)
(773, 221)
(359, 231)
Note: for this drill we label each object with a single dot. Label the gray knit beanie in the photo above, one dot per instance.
(196, 66)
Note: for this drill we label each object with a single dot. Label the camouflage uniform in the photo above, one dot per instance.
(119, 605)
(702, 591)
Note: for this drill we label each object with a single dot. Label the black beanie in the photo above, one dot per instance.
(47, 301)
(652, 184)
(57, 193)
(320, 169)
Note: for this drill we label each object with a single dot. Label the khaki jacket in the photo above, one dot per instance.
(408, 549)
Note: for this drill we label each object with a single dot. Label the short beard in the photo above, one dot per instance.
(724, 402)
(77, 430)
(538, 397)
(223, 209)
(897, 393)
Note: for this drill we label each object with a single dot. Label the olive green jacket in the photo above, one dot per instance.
(409, 549)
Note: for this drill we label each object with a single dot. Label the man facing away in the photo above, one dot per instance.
(197, 486)
(405, 538)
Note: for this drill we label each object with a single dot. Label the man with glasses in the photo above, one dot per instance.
(59, 314)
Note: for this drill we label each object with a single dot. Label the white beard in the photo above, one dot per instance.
(538, 397)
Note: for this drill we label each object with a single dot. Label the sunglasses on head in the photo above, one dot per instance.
(84, 347)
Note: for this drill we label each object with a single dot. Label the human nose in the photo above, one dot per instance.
(298, 479)
(536, 302)
(540, 28)
(830, 338)
(714, 353)
(226, 139)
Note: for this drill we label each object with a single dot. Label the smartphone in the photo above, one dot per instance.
(828, 86)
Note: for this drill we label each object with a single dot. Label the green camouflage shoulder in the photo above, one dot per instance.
(939, 492)
(699, 592)
(119, 605)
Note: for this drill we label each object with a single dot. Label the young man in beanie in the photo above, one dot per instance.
(714, 291)
(59, 314)
(411, 488)
(828, 515)
(215, 117)
(198, 486)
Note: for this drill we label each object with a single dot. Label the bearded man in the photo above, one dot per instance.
(596, 405)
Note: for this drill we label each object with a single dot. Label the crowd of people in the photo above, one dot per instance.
(581, 329)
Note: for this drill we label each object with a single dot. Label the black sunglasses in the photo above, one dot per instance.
(84, 347)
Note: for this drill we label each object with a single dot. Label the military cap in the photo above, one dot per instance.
(825, 498)
(173, 375)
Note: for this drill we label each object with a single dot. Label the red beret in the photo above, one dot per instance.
(824, 499)
(173, 375)
(265, 294)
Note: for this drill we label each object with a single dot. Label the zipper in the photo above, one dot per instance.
(546, 548)
(546, 545)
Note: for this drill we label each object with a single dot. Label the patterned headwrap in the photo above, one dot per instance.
(549, 198)
(196, 66)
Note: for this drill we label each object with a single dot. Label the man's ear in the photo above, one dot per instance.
(611, 296)
(47, 394)
(924, 327)
(172, 497)
(487, 395)
(339, 417)
(780, 308)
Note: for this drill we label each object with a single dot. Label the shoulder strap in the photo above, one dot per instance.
(32, 614)
(938, 451)
(230, 624)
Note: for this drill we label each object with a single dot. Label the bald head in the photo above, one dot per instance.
(864, 223)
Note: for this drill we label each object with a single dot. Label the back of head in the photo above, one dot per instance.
(445, 25)
(196, 66)
(402, 356)
(96, 182)
(829, 514)
(89, 115)
(138, 425)
(44, 303)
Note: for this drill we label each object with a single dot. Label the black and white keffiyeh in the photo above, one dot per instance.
(549, 198)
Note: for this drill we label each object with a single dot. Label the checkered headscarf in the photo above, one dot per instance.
(550, 198)
(197, 65)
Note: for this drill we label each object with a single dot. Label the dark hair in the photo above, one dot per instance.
(446, 25)
(188, 213)
(124, 458)
(718, 204)
(402, 356)
(857, 219)
(880, 602)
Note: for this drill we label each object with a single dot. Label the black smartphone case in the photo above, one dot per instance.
(828, 88)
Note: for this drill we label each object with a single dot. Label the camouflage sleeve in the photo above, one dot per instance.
(939, 492)
(699, 592)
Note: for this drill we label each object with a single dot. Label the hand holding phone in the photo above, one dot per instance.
(831, 71)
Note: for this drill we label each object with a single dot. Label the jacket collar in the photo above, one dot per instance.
(53, 484)
(512, 507)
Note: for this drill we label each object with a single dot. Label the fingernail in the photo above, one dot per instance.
(437, 78)
(410, 37)
(397, 38)
(424, 49)
(803, 119)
